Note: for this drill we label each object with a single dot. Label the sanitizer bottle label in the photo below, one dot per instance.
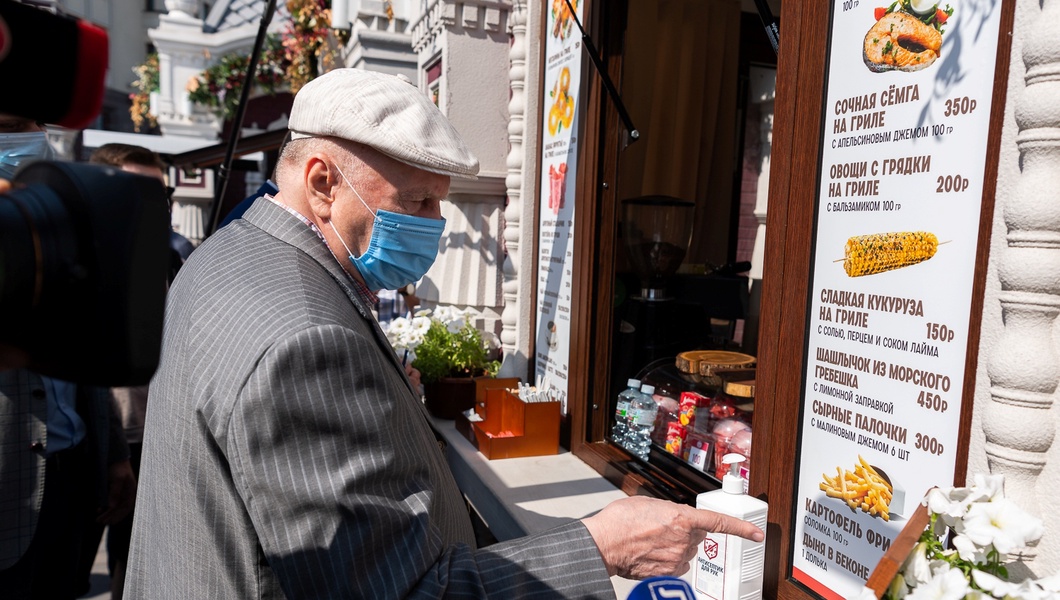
(710, 568)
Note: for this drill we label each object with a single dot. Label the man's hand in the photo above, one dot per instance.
(642, 537)
(414, 375)
(121, 495)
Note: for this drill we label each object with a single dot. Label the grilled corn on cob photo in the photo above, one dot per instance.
(879, 252)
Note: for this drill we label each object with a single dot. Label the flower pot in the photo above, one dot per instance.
(449, 396)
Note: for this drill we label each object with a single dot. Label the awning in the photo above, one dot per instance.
(188, 152)
(211, 156)
(162, 144)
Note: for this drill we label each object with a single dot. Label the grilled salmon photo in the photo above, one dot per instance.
(899, 41)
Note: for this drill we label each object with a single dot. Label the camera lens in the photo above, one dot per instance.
(38, 258)
(84, 259)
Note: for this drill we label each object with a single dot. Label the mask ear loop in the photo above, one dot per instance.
(332, 223)
(348, 251)
(355, 192)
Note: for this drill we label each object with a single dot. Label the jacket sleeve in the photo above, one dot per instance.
(334, 464)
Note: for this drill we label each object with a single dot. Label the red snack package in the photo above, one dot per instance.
(675, 438)
(690, 402)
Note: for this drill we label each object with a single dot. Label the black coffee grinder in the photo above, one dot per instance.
(657, 231)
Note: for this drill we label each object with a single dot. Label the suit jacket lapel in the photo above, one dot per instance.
(284, 226)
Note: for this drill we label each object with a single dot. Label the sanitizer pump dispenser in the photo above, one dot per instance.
(728, 567)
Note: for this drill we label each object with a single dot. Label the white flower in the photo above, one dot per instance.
(969, 550)
(1051, 583)
(1031, 590)
(987, 527)
(948, 505)
(997, 587)
(421, 324)
(992, 487)
(396, 330)
(446, 314)
(455, 325)
(917, 569)
(898, 588)
(423, 312)
(948, 584)
(865, 594)
(1003, 524)
(411, 339)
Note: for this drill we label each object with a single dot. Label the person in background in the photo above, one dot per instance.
(286, 453)
(63, 458)
(142, 161)
(396, 303)
(266, 189)
(129, 403)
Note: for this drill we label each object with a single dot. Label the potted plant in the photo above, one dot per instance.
(971, 533)
(449, 353)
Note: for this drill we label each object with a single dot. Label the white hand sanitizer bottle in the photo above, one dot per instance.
(728, 567)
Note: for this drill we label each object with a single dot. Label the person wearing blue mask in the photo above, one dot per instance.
(63, 456)
(21, 142)
(286, 453)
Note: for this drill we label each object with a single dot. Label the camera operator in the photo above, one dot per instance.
(21, 140)
(64, 457)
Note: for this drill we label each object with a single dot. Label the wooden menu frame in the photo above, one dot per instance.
(796, 155)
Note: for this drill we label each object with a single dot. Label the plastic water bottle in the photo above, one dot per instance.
(642, 411)
(620, 431)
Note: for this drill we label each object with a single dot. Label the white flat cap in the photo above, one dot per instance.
(384, 112)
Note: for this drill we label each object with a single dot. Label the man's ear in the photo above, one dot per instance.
(321, 181)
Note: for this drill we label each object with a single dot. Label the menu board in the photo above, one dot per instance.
(559, 151)
(904, 143)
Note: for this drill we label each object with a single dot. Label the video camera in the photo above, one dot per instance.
(83, 249)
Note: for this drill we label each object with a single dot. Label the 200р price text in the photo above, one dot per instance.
(951, 183)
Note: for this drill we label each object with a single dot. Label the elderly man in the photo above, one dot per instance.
(286, 453)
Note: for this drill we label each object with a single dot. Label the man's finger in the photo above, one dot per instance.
(711, 521)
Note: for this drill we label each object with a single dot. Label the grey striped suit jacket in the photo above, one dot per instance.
(286, 455)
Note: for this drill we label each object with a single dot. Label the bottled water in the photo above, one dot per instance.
(642, 411)
(620, 431)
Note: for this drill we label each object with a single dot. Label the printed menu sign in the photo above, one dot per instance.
(559, 152)
(904, 146)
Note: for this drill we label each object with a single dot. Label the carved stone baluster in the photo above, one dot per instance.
(1023, 367)
(514, 361)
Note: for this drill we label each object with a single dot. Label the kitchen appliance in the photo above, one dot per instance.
(657, 231)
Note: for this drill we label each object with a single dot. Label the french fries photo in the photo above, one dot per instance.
(863, 488)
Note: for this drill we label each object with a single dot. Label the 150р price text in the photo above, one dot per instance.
(937, 331)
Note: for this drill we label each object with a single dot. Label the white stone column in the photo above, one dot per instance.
(515, 361)
(1024, 368)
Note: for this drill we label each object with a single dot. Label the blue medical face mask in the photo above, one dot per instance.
(17, 149)
(401, 250)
